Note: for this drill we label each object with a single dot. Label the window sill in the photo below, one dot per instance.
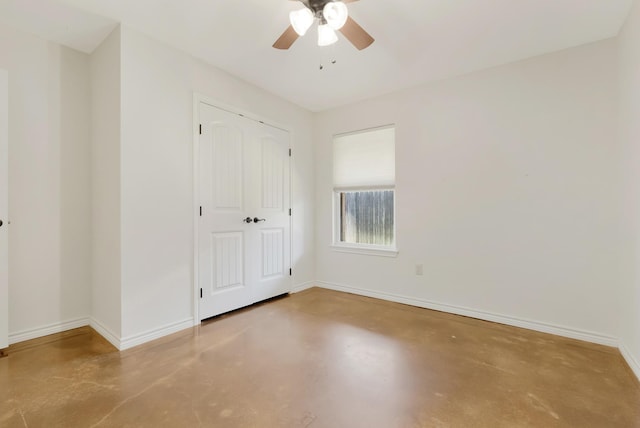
(368, 251)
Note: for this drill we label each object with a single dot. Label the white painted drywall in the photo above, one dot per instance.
(504, 185)
(48, 176)
(629, 112)
(156, 201)
(158, 83)
(105, 185)
(75, 182)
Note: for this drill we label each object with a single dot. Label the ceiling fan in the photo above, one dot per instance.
(331, 15)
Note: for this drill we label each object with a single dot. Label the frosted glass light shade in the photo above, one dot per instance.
(336, 14)
(301, 20)
(326, 35)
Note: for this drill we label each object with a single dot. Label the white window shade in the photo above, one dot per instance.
(365, 159)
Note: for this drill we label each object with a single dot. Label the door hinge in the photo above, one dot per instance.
(201, 293)
(290, 272)
(289, 152)
(289, 211)
(200, 211)
(200, 129)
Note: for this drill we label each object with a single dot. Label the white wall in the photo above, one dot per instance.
(629, 90)
(105, 186)
(48, 184)
(158, 83)
(505, 189)
(75, 183)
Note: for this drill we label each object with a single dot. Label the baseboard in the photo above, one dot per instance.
(34, 333)
(473, 313)
(105, 332)
(156, 333)
(303, 286)
(630, 359)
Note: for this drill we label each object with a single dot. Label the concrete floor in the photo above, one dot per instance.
(321, 359)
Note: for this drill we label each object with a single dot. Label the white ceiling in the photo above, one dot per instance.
(416, 41)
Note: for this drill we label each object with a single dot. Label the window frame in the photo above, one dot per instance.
(366, 249)
(355, 248)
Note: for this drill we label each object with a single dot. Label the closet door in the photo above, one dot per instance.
(244, 224)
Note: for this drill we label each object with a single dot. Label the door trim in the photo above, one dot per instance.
(201, 98)
(4, 213)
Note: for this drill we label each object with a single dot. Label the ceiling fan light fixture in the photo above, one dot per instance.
(326, 35)
(331, 16)
(336, 14)
(301, 20)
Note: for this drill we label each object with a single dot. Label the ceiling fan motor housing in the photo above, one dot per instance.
(316, 6)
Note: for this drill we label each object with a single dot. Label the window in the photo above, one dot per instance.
(366, 217)
(364, 191)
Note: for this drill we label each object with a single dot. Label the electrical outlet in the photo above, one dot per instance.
(419, 269)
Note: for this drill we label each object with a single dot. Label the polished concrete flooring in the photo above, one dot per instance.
(321, 359)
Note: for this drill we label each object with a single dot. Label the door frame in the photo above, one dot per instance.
(4, 215)
(201, 98)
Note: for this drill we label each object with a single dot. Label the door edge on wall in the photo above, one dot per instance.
(4, 213)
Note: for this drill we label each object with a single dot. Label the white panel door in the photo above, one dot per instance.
(272, 231)
(244, 232)
(4, 210)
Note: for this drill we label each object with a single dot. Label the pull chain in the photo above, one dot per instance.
(331, 55)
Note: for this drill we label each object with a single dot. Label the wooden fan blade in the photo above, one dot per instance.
(286, 39)
(356, 34)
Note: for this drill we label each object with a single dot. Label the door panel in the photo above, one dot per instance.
(4, 210)
(226, 159)
(273, 166)
(228, 260)
(244, 173)
(272, 253)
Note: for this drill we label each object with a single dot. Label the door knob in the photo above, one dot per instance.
(247, 220)
(0, 223)
(256, 219)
